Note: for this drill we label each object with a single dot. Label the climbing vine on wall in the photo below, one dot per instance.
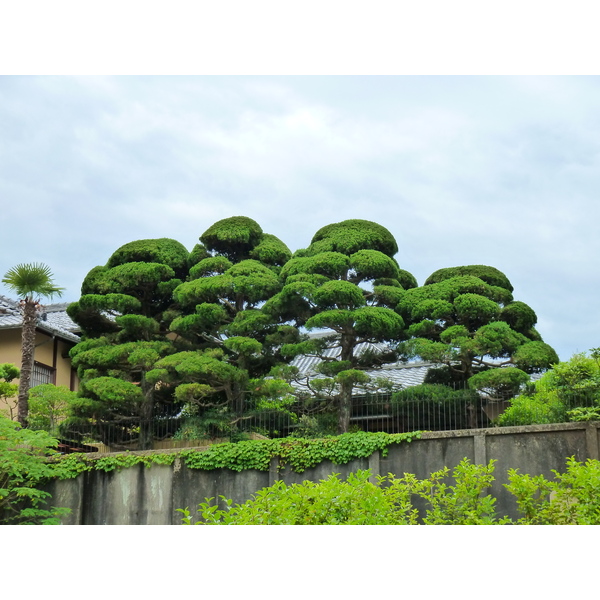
(300, 454)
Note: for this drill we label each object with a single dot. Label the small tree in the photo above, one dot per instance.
(31, 283)
(9, 390)
(570, 391)
(48, 406)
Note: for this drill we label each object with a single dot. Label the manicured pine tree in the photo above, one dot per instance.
(348, 283)
(232, 343)
(466, 319)
(125, 312)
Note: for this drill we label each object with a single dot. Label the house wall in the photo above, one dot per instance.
(49, 351)
(150, 495)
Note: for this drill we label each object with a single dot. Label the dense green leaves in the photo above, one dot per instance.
(570, 391)
(215, 265)
(338, 294)
(534, 357)
(519, 316)
(242, 285)
(351, 236)
(233, 238)
(332, 265)
(322, 291)
(489, 275)
(360, 501)
(499, 383)
(372, 264)
(465, 318)
(23, 468)
(457, 497)
(48, 406)
(230, 311)
(163, 251)
(271, 251)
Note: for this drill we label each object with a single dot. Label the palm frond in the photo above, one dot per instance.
(32, 279)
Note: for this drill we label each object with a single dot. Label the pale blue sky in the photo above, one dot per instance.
(502, 171)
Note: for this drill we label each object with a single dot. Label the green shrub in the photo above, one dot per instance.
(23, 467)
(539, 408)
(572, 498)
(359, 501)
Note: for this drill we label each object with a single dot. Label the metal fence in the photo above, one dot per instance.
(419, 410)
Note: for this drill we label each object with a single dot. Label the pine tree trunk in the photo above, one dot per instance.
(27, 356)
(146, 438)
(345, 406)
(347, 342)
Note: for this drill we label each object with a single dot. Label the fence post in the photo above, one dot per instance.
(479, 452)
(591, 441)
(374, 466)
(273, 470)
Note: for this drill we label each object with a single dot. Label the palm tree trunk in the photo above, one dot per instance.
(27, 355)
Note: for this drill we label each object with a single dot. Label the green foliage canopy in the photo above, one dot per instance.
(348, 283)
(235, 343)
(125, 312)
(466, 319)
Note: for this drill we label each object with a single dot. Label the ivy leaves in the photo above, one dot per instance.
(300, 454)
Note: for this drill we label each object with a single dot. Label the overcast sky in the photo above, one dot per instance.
(500, 171)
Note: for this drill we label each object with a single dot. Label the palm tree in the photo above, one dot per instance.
(30, 282)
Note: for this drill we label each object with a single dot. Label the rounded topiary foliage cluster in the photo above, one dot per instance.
(242, 238)
(162, 250)
(232, 237)
(490, 275)
(351, 236)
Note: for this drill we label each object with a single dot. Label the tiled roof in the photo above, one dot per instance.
(402, 375)
(53, 319)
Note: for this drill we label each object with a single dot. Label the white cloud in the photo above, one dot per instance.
(500, 171)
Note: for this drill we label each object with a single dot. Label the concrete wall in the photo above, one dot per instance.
(149, 495)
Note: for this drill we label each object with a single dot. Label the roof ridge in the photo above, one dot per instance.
(9, 306)
(56, 307)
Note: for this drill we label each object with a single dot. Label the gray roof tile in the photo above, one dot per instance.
(402, 375)
(53, 319)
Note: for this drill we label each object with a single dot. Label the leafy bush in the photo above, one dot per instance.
(572, 498)
(9, 390)
(48, 406)
(23, 467)
(568, 392)
(539, 408)
(359, 501)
